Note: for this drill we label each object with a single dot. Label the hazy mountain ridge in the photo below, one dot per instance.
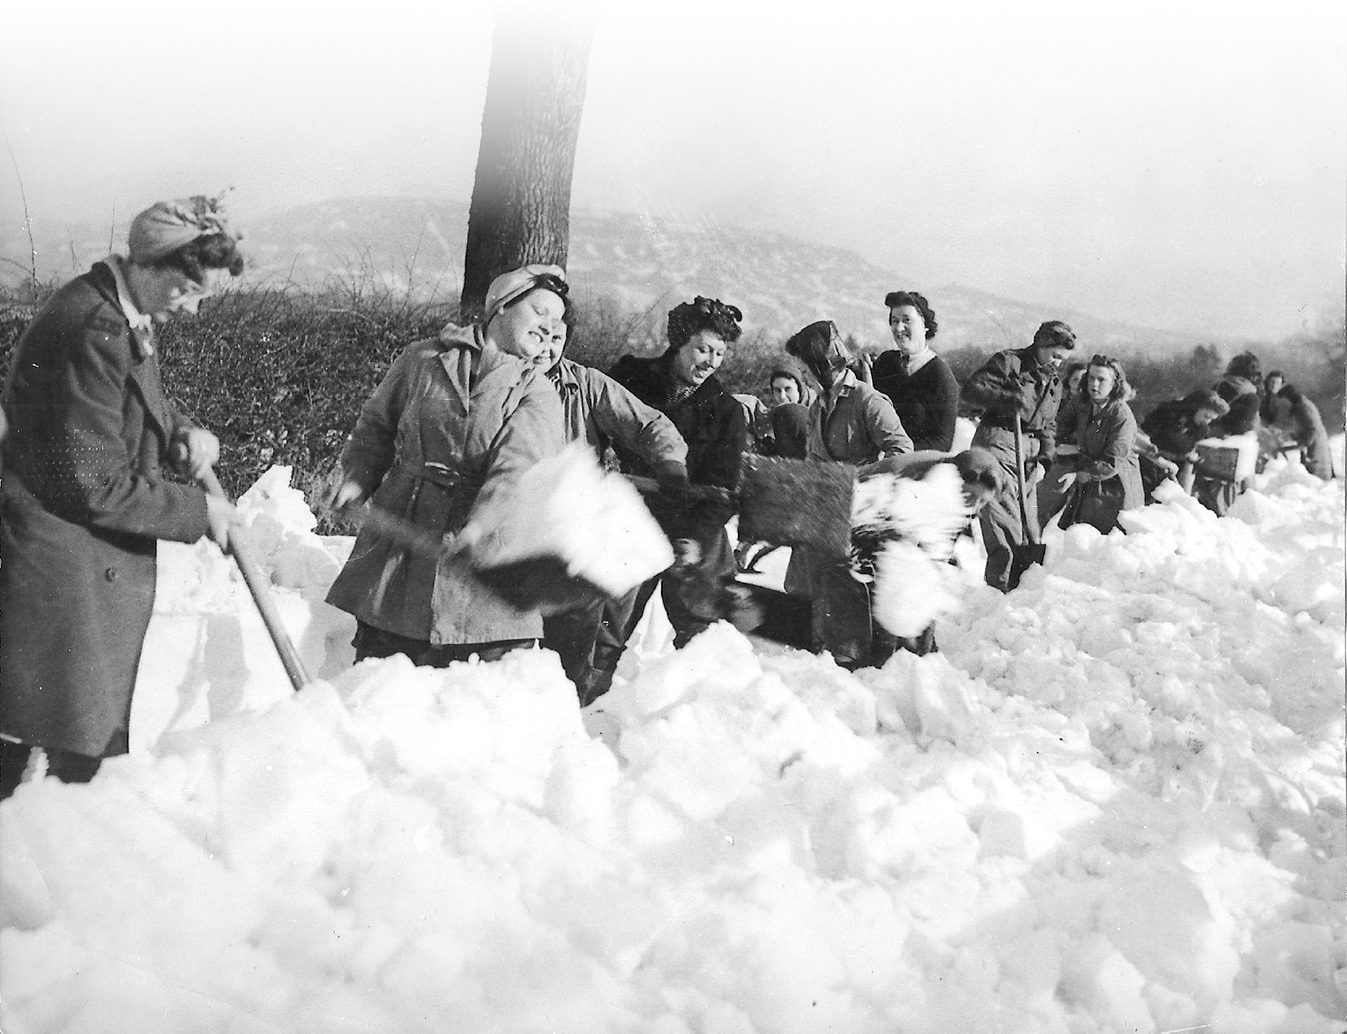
(781, 283)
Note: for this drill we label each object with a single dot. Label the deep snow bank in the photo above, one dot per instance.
(1115, 802)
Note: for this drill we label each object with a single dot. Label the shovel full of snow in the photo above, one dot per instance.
(565, 534)
(259, 586)
(796, 503)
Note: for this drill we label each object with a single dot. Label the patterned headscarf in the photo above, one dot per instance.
(166, 226)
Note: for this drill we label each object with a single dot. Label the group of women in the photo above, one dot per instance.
(453, 424)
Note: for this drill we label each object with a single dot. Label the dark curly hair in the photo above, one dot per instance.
(1245, 365)
(1122, 391)
(211, 251)
(896, 298)
(710, 314)
(1205, 398)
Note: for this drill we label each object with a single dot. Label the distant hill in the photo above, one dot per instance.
(643, 264)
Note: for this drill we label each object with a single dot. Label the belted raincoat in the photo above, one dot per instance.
(450, 428)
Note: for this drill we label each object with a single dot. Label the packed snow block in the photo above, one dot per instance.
(1102, 982)
(926, 694)
(567, 533)
(286, 778)
(25, 898)
(1296, 963)
(691, 759)
(583, 776)
(720, 661)
(128, 887)
(1162, 922)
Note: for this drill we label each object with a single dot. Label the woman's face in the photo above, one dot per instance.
(1099, 382)
(554, 346)
(526, 328)
(1274, 384)
(908, 328)
(699, 358)
(785, 389)
(1073, 380)
(165, 292)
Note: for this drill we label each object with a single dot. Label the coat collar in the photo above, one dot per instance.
(142, 326)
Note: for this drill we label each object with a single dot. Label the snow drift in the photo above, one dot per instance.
(1114, 802)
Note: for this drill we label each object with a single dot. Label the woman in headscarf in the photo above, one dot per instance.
(444, 437)
(921, 386)
(682, 384)
(852, 423)
(792, 395)
(1106, 476)
(84, 500)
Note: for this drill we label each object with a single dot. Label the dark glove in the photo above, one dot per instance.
(672, 478)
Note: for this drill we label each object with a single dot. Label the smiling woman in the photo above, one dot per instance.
(453, 424)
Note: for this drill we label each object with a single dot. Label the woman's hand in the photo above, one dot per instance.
(195, 451)
(346, 493)
(468, 536)
(223, 517)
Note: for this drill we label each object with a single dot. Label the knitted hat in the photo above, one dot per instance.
(1055, 334)
(166, 226)
(519, 282)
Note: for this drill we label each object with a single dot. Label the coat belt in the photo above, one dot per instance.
(445, 476)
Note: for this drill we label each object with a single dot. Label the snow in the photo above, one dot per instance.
(1113, 802)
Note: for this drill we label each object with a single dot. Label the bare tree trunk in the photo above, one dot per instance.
(521, 196)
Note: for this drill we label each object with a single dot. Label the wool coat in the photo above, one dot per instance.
(1012, 382)
(444, 437)
(83, 502)
(1107, 438)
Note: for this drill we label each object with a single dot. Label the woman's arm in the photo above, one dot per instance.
(1120, 435)
(370, 450)
(944, 406)
(624, 418)
(83, 472)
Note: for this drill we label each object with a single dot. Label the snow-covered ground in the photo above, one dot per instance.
(1114, 802)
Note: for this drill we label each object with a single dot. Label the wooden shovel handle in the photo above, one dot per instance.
(649, 486)
(259, 586)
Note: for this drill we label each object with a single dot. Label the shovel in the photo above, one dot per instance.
(788, 502)
(1030, 551)
(544, 584)
(259, 587)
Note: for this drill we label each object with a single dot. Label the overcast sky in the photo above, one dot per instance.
(1176, 165)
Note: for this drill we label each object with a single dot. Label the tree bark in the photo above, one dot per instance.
(521, 196)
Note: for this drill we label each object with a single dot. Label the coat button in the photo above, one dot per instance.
(110, 574)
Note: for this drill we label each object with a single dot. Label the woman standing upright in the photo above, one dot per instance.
(453, 424)
(1105, 476)
(920, 384)
(852, 423)
(682, 384)
(84, 500)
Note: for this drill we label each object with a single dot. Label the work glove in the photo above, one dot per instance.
(672, 478)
